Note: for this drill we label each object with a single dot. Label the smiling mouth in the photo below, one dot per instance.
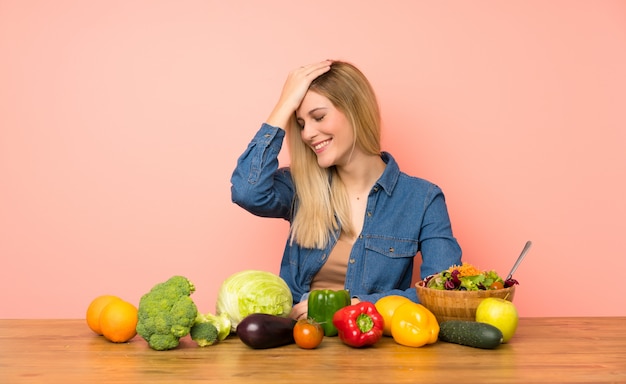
(320, 146)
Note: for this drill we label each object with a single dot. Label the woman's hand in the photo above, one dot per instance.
(294, 90)
(300, 310)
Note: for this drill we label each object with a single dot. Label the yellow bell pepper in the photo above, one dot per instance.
(413, 325)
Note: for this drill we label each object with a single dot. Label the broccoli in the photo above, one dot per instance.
(202, 330)
(221, 322)
(167, 313)
(204, 333)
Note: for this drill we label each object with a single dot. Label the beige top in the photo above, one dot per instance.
(333, 272)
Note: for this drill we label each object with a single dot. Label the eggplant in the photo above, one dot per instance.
(262, 331)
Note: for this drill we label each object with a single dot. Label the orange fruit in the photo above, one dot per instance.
(118, 321)
(94, 310)
(386, 306)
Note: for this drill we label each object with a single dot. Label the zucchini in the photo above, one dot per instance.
(470, 333)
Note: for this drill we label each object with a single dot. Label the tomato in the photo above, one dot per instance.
(496, 285)
(308, 334)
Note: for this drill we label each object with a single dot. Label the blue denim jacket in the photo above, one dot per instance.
(404, 215)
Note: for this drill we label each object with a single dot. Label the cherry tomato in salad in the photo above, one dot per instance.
(496, 285)
(308, 334)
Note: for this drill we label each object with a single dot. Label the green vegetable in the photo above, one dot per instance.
(221, 324)
(203, 333)
(470, 333)
(251, 291)
(166, 313)
(322, 305)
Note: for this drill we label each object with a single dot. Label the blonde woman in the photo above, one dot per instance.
(356, 221)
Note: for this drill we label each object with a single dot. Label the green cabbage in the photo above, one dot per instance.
(251, 291)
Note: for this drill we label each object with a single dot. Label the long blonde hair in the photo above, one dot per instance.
(321, 205)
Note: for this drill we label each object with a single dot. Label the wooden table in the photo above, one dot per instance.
(544, 350)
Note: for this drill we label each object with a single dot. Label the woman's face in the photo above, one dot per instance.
(326, 130)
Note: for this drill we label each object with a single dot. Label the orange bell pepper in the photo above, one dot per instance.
(413, 325)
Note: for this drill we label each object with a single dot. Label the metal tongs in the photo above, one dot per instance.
(519, 259)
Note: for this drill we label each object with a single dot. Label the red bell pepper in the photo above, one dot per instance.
(359, 325)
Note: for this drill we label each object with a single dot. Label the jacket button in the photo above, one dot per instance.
(391, 249)
(352, 261)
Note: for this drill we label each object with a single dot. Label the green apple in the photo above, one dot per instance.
(500, 313)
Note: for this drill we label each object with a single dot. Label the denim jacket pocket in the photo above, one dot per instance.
(388, 262)
(391, 246)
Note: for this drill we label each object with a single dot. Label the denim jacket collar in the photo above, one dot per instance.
(389, 178)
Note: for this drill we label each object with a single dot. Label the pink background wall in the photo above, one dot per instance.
(121, 121)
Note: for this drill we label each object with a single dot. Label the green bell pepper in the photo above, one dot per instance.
(322, 305)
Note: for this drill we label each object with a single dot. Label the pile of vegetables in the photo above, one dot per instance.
(256, 304)
(466, 277)
(167, 313)
(358, 325)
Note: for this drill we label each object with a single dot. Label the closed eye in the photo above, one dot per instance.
(317, 119)
(317, 114)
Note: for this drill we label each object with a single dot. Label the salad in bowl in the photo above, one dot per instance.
(466, 277)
